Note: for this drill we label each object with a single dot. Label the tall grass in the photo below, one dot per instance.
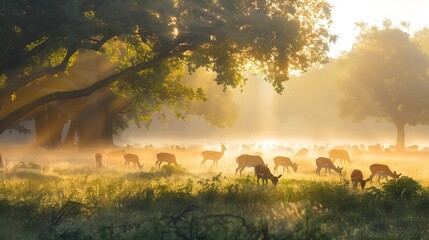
(173, 204)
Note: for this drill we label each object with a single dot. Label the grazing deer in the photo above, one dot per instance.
(246, 160)
(213, 155)
(357, 178)
(98, 160)
(132, 158)
(263, 172)
(285, 162)
(323, 162)
(165, 157)
(302, 153)
(339, 154)
(383, 171)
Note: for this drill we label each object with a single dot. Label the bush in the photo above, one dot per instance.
(405, 188)
(27, 166)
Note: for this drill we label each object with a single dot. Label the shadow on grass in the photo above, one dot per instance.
(31, 174)
(165, 171)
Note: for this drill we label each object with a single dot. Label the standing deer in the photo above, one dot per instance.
(165, 157)
(339, 154)
(357, 178)
(383, 171)
(323, 162)
(98, 160)
(285, 162)
(246, 160)
(132, 158)
(263, 172)
(213, 155)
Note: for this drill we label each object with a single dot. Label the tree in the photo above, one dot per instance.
(386, 77)
(227, 37)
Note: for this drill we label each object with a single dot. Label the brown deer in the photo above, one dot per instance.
(263, 172)
(357, 178)
(213, 155)
(302, 153)
(165, 157)
(323, 162)
(246, 160)
(383, 171)
(285, 162)
(98, 160)
(132, 158)
(339, 154)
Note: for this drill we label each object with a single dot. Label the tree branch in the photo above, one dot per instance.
(20, 112)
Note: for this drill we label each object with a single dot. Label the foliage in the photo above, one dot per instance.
(386, 77)
(105, 205)
(269, 38)
(27, 166)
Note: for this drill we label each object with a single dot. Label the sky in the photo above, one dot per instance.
(345, 13)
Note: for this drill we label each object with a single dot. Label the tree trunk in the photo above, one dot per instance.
(71, 133)
(400, 137)
(49, 125)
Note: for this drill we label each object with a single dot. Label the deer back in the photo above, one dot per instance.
(263, 172)
(356, 174)
(249, 160)
(131, 157)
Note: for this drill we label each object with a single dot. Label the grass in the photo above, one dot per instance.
(64, 196)
(156, 205)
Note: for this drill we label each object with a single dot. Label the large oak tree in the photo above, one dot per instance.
(386, 78)
(41, 38)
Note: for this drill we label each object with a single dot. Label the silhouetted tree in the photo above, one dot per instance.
(386, 78)
(268, 37)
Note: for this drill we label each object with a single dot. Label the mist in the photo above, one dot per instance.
(305, 114)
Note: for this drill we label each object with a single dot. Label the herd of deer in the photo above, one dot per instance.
(261, 169)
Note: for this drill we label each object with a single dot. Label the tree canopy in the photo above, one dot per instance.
(386, 77)
(149, 39)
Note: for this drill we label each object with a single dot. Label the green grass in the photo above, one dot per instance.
(173, 204)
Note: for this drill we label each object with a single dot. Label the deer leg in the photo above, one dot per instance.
(203, 162)
(241, 170)
(275, 168)
(379, 177)
(318, 171)
(236, 170)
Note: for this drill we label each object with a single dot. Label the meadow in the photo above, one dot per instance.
(63, 195)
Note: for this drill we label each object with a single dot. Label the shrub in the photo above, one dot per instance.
(405, 188)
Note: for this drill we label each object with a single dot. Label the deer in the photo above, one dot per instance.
(263, 172)
(383, 171)
(323, 162)
(246, 160)
(98, 160)
(339, 154)
(132, 158)
(357, 178)
(302, 153)
(213, 155)
(285, 162)
(166, 157)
